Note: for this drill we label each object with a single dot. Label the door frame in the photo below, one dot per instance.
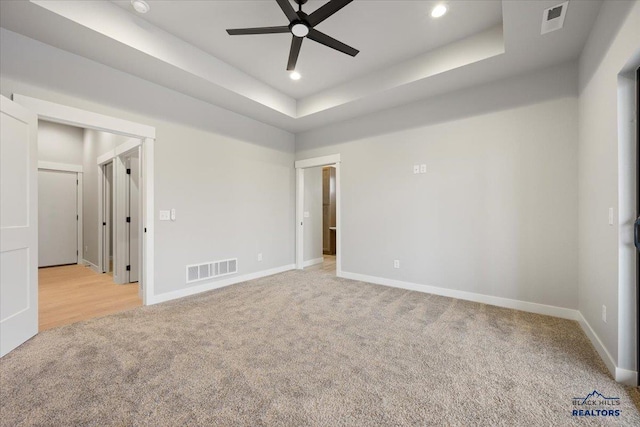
(300, 166)
(77, 169)
(105, 228)
(58, 113)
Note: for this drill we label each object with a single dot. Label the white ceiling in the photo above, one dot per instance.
(384, 31)
(405, 54)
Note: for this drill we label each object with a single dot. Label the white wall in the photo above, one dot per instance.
(59, 143)
(230, 178)
(495, 214)
(313, 205)
(612, 45)
(95, 144)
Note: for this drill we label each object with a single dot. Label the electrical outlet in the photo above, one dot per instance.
(396, 263)
(416, 168)
(604, 313)
(423, 168)
(260, 257)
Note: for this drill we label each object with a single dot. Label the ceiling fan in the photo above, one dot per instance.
(302, 25)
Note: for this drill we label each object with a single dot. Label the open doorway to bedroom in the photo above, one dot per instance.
(72, 287)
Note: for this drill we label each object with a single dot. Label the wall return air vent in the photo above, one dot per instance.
(210, 270)
(553, 18)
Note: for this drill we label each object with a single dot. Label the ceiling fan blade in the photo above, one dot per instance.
(326, 11)
(293, 54)
(288, 10)
(324, 39)
(259, 30)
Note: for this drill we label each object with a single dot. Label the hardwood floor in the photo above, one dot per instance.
(329, 264)
(72, 293)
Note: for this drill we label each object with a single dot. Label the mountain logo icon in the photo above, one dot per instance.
(595, 394)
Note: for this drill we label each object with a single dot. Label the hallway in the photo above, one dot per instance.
(73, 293)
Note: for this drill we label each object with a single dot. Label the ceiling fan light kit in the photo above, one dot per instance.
(301, 26)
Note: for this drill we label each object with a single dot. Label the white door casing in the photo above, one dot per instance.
(18, 225)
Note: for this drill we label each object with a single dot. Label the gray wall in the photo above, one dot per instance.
(612, 44)
(59, 143)
(95, 143)
(230, 178)
(496, 211)
(313, 205)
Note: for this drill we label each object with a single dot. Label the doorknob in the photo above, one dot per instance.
(636, 225)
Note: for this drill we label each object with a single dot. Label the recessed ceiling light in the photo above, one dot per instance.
(140, 6)
(295, 75)
(439, 11)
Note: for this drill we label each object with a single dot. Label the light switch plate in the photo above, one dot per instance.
(423, 168)
(165, 215)
(416, 168)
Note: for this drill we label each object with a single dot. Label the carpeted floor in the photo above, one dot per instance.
(304, 348)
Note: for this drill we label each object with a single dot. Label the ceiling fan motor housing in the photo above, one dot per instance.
(301, 26)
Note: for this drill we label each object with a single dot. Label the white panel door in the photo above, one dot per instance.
(57, 218)
(134, 215)
(18, 225)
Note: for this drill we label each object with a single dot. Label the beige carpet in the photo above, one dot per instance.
(307, 349)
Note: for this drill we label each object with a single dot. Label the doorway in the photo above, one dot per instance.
(318, 217)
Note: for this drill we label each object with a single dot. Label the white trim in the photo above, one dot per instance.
(338, 168)
(80, 220)
(106, 157)
(148, 222)
(125, 147)
(623, 376)
(311, 262)
(92, 266)
(64, 167)
(318, 161)
(627, 377)
(168, 296)
(300, 219)
(531, 307)
(300, 165)
(58, 113)
(85, 119)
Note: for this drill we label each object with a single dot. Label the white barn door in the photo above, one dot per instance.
(18, 225)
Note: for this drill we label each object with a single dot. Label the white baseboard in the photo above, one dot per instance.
(623, 376)
(531, 307)
(313, 262)
(92, 266)
(209, 286)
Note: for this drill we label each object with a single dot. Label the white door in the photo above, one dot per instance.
(107, 218)
(134, 215)
(57, 218)
(18, 225)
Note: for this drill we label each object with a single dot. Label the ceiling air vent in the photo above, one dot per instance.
(553, 18)
(208, 270)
